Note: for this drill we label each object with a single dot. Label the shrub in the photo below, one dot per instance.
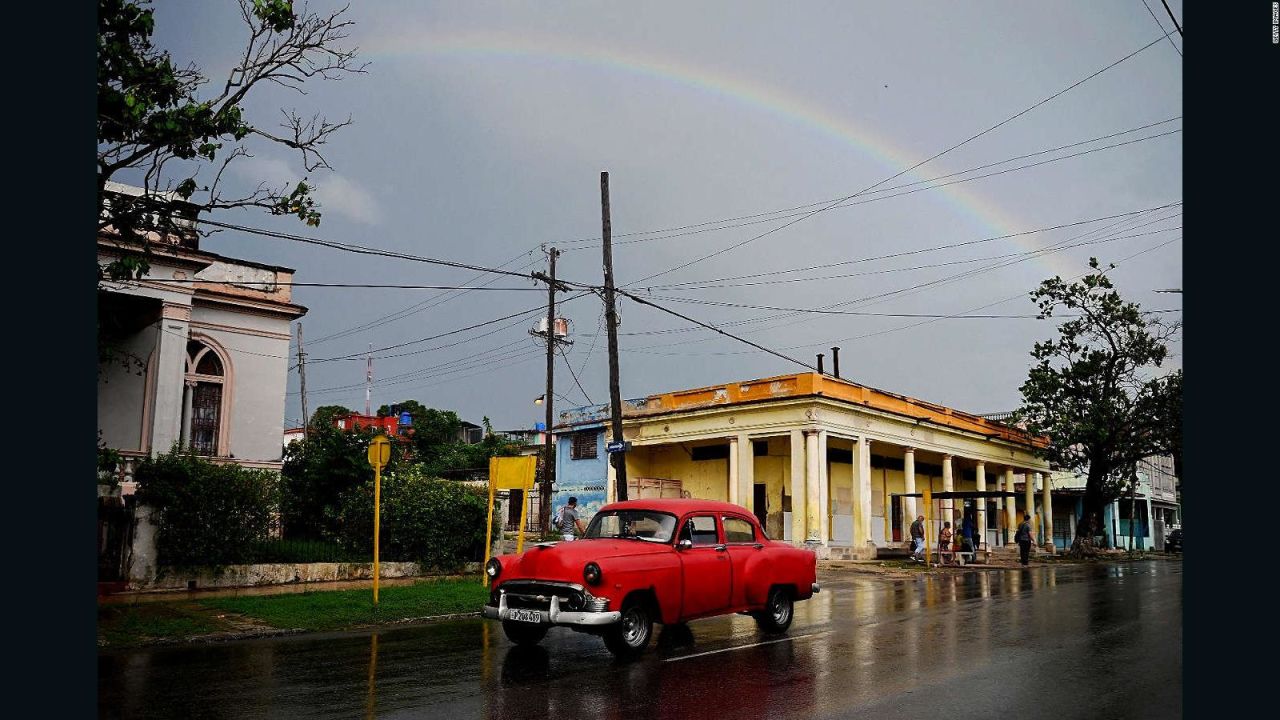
(207, 514)
(438, 523)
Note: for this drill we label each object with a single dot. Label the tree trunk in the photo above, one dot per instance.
(1091, 518)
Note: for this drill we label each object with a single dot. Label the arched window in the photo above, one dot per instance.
(205, 388)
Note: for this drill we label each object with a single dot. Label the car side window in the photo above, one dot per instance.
(700, 530)
(737, 530)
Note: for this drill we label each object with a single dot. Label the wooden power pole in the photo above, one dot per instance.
(302, 382)
(618, 459)
(549, 461)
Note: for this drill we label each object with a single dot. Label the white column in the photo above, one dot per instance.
(171, 362)
(746, 472)
(187, 391)
(813, 497)
(799, 519)
(1000, 516)
(733, 470)
(824, 489)
(909, 486)
(1011, 507)
(981, 503)
(1046, 504)
(948, 485)
(611, 481)
(862, 536)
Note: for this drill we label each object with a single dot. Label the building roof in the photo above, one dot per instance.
(810, 384)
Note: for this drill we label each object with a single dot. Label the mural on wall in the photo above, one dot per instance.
(590, 494)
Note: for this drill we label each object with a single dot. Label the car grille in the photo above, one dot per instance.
(537, 596)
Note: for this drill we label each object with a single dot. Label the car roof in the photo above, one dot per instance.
(679, 506)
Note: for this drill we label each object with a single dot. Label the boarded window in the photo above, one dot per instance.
(710, 452)
(584, 446)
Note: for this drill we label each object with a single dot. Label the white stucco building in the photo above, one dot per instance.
(200, 356)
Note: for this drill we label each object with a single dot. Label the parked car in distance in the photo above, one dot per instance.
(645, 561)
(1173, 541)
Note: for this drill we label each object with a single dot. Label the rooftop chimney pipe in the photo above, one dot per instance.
(835, 361)
(820, 371)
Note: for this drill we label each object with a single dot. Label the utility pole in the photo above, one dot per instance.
(618, 459)
(368, 383)
(302, 376)
(549, 460)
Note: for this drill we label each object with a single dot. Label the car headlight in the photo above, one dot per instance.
(493, 568)
(591, 573)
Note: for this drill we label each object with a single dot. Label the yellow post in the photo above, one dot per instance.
(488, 530)
(377, 519)
(928, 518)
(379, 456)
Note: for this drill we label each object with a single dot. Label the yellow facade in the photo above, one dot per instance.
(788, 419)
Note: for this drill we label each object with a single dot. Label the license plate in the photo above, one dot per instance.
(529, 616)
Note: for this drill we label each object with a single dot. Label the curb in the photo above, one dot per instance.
(281, 632)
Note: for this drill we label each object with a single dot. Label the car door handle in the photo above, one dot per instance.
(758, 546)
(721, 548)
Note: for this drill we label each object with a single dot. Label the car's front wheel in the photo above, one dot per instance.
(524, 634)
(630, 636)
(778, 611)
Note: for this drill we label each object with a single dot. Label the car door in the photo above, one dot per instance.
(704, 567)
(742, 544)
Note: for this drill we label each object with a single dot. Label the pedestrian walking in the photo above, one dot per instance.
(917, 538)
(1023, 538)
(944, 540)
(567, 521)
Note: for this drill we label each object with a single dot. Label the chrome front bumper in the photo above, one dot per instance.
(555, 616)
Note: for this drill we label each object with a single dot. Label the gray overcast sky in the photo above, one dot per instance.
(481, 128)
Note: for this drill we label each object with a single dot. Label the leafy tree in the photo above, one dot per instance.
(324, 415)
(318, 470)
(157, 119)
(1094, 390)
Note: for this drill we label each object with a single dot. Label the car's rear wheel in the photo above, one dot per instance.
(778, 611)
(524, 634)
(630, 636)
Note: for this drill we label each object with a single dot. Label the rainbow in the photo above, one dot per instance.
(748, 93)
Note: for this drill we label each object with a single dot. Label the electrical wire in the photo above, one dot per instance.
(931, 158)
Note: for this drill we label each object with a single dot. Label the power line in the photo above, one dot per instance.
(713, 328)
(574, 375)
(940, 281)
(358, 356)
(246, 283)
(905, 253)
(785, 213)
(420, 306)
(931, 158)
(363, 250)
(1153, 17)
(1171, 17)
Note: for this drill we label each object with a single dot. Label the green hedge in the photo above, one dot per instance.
(438, 523)
(207, 514)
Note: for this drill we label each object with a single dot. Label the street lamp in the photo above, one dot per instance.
(538, 400)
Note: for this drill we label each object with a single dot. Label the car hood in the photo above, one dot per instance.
(565, 560)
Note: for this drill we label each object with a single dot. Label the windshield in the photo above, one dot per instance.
(632, 524)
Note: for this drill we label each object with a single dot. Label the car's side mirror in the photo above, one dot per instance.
(684, 544)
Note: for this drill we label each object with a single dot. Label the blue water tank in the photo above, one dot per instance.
(405, 418)
(540, 427)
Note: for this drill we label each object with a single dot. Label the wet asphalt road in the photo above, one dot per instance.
(1088, 641)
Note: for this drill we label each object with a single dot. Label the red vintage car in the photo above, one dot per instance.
(646, 561)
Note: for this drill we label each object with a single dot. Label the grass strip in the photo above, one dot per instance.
(337, 609)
